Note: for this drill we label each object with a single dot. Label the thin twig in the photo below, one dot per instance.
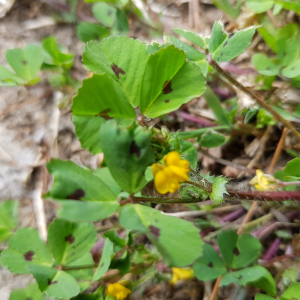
(248, 216)
(259, 101)
(215, 289)
(278, 151)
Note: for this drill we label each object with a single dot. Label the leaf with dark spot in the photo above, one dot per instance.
(51, 282)
(104, 114)
(167, 89)
(77, 195)
(135, 149)
(236, 251)
(117, 70)
(28, 298)
(222, 54)
(28, 255)
(154, 230)
(225, 44)
(231, 35)
(70, 238)
(24, 62)
(167, 101)
(240, 277)
(210, 265)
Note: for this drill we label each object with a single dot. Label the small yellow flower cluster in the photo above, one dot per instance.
(181, 274)
(167, 176)
(118, 291)
(263, 183)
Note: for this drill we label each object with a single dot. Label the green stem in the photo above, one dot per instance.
(66, 268)
(259, 101)
(199, 132)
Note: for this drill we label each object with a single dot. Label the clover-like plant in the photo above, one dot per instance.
(133, 83)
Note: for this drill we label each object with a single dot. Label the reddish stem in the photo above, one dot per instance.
(272, 250)
(199, 120)
(264, 196)
(234, 215)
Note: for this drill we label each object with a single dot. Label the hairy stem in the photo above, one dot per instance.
(259, 101)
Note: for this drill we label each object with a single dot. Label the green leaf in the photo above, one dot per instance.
(122, 59)
(292, 168)
(238, 251)
(264, 65)
(225, 47)
(30, 292)
(119, 243)
(268, 36)
(288, 50)
(192, 54)
(101, 96)
(57, 284)
(259, 6)
(292, 153)
(154, 47)
(289, 4)
(7, 78)
(73, 183)
(250, 114)
(26, 62)
(107, 254)
(296, 82)
(105, 175)
(87, 129)
(263, 297)
(127, 154)
(264, 118)
(55, 56)
(291, 30)
(215, 105)
(292, 70)
(187, 151)
(89, 31)
(256, 276)
(191, 36)
(8, 218)
(177, 240)
(285, 114)
(121, 27)
(122, 263)
(209, 265)
(211, 139)
(168, 82)
(25, 249)
(104, 13)
(292, 293)
(69, 241)
(277, 9)
(217, 37)
(83, 276)
(218, 189)
(289, 276)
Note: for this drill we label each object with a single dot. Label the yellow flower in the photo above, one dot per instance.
(167, 176)
(118, 291)
(263, 183)
(181, 274)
